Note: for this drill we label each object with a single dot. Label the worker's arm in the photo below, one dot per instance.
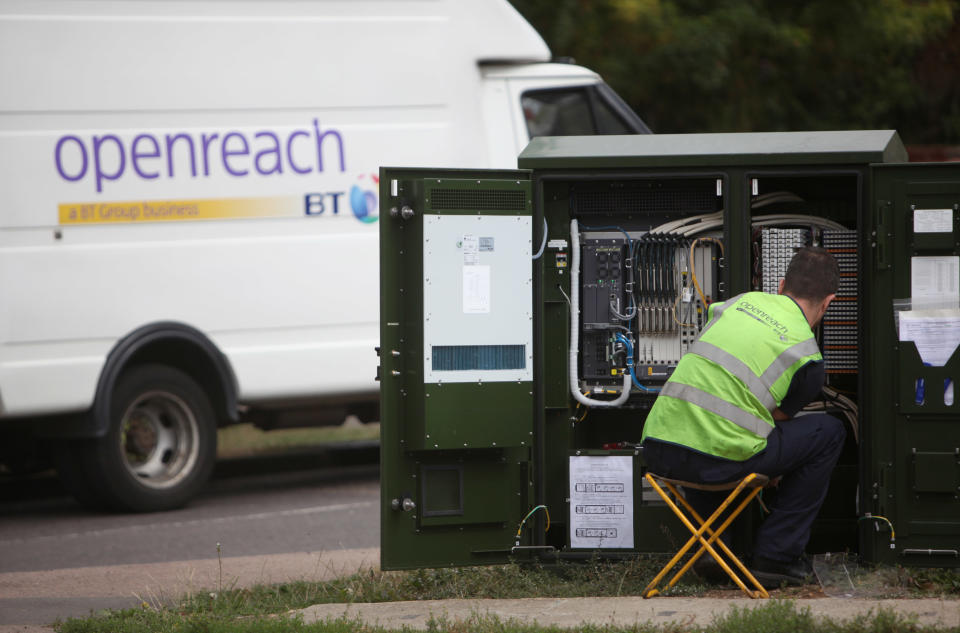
(804, 388)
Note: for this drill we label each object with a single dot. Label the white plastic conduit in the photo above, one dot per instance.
(575, 332)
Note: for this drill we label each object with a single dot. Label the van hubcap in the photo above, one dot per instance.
(159, 439)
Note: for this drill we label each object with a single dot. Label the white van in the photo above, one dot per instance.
(188, 207)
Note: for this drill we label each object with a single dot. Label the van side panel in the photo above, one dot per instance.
(309, 331)
(214, 164)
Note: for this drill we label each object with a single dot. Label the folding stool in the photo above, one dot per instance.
(752, 484)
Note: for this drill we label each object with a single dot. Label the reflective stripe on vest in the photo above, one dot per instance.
(718, 406)
(717, 311)
(758, 386)
(787, 358)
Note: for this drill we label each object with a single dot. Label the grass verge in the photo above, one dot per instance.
(776, 616)
(261, 608)
(244, 440)
(599, 578)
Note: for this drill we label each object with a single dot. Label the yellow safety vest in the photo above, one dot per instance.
(721, 396)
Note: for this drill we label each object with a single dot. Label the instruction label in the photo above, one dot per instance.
(471, 250)
(933, 221)
(476, 289)
(936, 333)
(601, 502)
(935, 281)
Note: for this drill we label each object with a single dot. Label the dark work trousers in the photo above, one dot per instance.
(803, 451)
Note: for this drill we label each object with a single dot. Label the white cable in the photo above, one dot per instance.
(775, 197)
(615, 311)
(575, 332)
(701, 227)
(670, 227)
(763, 220)
(543, 244)
(793, 218)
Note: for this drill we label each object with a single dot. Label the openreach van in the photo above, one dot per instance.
(188, 210)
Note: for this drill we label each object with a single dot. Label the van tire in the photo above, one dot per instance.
(159, 449)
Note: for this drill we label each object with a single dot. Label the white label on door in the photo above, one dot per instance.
(476, 289)
(933, 221)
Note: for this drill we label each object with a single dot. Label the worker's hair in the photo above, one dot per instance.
(812, 274)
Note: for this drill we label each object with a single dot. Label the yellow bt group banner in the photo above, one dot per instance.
(180, 210)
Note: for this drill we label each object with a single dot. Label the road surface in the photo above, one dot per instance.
(59, 560)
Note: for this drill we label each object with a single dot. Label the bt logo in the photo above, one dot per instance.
(363, 202)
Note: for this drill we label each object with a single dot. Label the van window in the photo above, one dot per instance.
(581, 110)
(607, 121)
(564, 112)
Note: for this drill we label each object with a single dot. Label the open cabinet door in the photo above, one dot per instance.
(456, 365)
(910, 452)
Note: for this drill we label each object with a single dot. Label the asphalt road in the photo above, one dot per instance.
(261, 514)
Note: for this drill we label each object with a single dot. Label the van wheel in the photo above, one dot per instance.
(160, 445)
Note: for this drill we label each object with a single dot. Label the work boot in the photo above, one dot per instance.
(774, 573)
(710, 570)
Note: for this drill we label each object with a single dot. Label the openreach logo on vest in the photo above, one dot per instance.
(762, 315)
(151, 176)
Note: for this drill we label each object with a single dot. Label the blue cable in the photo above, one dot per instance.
(633, 375)
(620, 337)
(623, 339)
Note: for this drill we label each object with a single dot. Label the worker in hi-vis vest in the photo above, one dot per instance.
(729, 409)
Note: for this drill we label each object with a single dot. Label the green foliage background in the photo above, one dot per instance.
(764, 65)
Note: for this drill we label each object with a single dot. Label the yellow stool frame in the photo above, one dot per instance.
(753, 484)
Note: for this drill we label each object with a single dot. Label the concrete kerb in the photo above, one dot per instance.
(158, 582)
(35, 597)
(573, 612)
(170, 580)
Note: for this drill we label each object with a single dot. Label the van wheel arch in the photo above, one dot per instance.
(162, 393)
(176, 345)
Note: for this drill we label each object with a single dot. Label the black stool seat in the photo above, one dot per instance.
(759, 481)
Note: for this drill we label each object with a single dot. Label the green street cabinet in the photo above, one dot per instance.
(529, 318)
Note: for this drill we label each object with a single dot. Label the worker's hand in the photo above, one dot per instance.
(779, 415)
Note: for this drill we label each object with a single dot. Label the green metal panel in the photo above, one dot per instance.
(910, 457)
(759, 149)
(473, 458)
(455, 457)
(935, 472)
(478, 415)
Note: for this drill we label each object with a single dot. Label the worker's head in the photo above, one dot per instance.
(812, 278)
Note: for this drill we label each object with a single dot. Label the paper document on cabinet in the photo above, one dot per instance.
(936, 333)
(601, 501)
(935, 281)
(476, 289)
